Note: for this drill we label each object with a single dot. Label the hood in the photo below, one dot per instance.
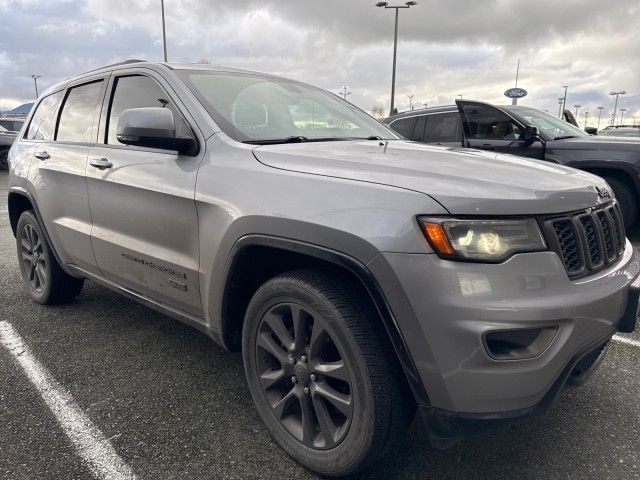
(601, 142)
(464, 181)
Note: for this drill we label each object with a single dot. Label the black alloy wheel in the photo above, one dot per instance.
(304, 376)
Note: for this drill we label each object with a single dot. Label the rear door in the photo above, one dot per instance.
(145, 224)
(58, 169)
(490, 128)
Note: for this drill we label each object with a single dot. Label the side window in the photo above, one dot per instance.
(488, 123)
(418, 131)
(78, 112)
(443, 127)
(43, 122)
(138, 91)
(404, 126)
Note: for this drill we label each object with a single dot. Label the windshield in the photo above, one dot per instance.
(553, 127)
(256, 108)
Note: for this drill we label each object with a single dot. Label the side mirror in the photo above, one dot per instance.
(152, 127)
(531, 134)
(591, 130)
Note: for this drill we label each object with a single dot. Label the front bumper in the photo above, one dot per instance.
(445, 308)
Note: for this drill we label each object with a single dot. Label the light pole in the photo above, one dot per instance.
(164, 32)
(411, 102)
(577, 106)
(615, 108)
(35, 82)
(395, 46)
(460, 95)
(599, 115)
(426, 105)
(586, 116)
(345, 92)
(560, 105)
(564, 99)
(622, 110)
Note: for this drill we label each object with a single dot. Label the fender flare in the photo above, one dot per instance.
(623, 167)
(355, 267)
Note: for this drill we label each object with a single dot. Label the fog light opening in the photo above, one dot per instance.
(518, 344)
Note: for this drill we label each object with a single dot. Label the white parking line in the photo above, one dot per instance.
(625, 340)
(89, 442)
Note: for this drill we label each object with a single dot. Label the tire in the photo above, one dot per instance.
(48, 284)
(362, 391)
(4, 159)
(627, 199)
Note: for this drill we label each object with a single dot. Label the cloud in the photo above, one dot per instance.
(446, 48)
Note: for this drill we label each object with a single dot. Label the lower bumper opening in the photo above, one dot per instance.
(518, 344)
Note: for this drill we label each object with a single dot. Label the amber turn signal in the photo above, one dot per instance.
(437, 238)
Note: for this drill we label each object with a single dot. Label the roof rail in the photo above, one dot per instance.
(126, 62)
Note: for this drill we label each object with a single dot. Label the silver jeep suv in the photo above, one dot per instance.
(360, 274)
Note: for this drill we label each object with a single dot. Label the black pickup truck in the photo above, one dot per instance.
(529, 132)
(9, 128)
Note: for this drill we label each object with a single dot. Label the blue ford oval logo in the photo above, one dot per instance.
(515, 93)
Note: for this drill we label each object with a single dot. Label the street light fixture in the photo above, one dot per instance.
(599, 115)
(35, 82)
(586, 116)
(622, 110)
(395, 45)
(615, 108)
(411, 102)
(560, 105)
(345, 92)
(564, 99)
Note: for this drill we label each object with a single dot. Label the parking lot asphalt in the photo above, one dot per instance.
(173, 405)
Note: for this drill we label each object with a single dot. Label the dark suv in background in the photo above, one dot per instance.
(529, 132)
(10, 125)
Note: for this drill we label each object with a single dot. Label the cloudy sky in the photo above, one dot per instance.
(446, 48)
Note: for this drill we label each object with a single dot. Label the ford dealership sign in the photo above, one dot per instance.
(515, 93)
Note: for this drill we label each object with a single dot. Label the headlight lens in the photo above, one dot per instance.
(483, 240)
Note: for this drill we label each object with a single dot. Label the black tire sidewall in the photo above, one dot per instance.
(348, 454)
(28, 218)
(626, 200)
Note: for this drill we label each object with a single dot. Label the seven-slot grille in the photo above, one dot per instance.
(587, 241)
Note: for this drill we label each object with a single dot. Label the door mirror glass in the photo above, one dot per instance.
(531, 134)
(152, 127)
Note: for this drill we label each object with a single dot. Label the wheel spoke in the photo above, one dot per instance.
(25, 243)
(327, 427)
(336, 370)
(266, 342)
(339, 400)
(299, 317)
(272, 378)
(316, 336)
(42, 273)
(276, 324)
(26, 257)
(280, 406)
(306, 409)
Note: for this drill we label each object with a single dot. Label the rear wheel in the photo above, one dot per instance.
(627, 200)
(43, 276)
(322, 378)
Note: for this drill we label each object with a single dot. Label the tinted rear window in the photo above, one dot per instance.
(43, 122)
(404, 126)
(78, 113)
(443, 127)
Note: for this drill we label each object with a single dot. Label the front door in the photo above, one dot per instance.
(489, 128)
(145, 225)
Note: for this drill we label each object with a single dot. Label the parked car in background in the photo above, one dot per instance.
(10, 125)
(529, 132)
(628, 131)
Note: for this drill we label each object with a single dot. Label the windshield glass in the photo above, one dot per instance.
(553, 127)
(258, 108)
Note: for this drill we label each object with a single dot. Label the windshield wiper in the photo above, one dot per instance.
(564, 137)
(273, 141)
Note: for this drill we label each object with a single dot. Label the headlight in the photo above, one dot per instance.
(482, 240)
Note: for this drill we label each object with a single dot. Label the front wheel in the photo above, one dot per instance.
(320, 374)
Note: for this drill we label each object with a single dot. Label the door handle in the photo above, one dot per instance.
(42, 155)
(100, 163)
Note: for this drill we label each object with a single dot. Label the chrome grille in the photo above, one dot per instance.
(587, 241)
